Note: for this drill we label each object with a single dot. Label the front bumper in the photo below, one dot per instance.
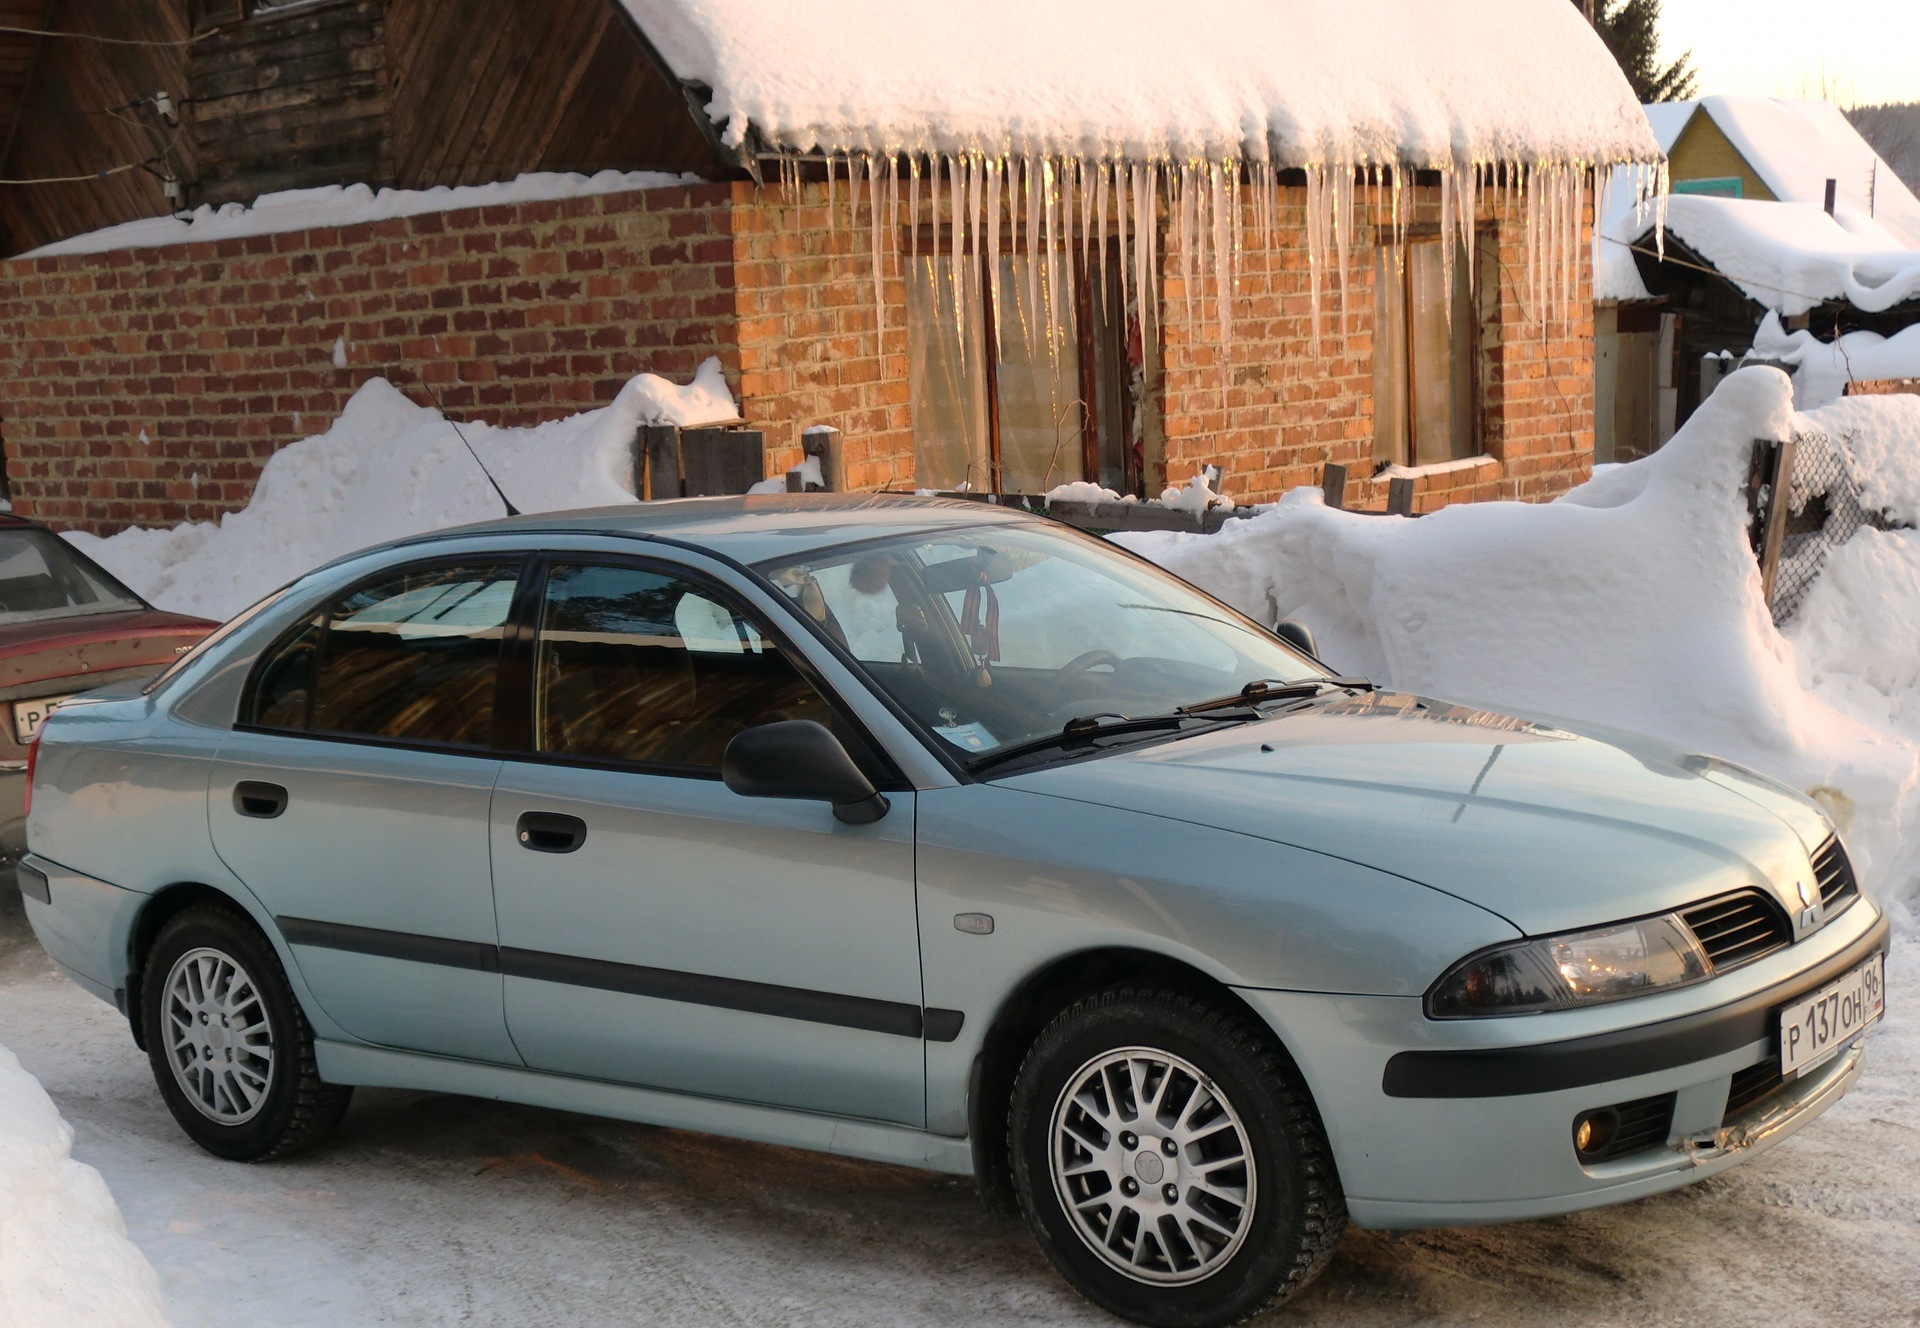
(1443, 1123)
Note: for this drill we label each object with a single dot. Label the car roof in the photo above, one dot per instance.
(753, 528)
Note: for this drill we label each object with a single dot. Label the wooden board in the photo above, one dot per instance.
(292, 100)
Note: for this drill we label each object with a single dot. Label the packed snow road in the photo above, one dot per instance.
(428, 1209)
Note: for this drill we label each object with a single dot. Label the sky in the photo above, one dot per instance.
(1870, 49)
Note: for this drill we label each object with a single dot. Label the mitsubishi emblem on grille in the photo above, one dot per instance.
(1810, 908)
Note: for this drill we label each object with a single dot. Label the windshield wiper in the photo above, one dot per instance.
(1081, 731)
(1261, 690)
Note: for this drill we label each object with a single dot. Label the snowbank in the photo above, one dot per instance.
(65, 1260)
(388, 468)
(1822, 369)
(1299, 81)
(1633, 602)
(347, 205)
(1787, 256)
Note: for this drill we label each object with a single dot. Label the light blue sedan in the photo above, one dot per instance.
(939, 834)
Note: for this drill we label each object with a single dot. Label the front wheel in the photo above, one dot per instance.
(1169, 1160)
(230, 1049)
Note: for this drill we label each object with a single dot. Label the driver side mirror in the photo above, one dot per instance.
(1300, 636)
(799, 758)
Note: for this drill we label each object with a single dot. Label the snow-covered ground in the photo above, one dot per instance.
(431, 1210)
(1632, 602)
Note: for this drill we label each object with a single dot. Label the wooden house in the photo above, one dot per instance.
(990, 271)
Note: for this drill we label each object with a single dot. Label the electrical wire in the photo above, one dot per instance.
(82, 179)
(109, 41)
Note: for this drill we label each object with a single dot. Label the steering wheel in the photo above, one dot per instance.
(1079, 664)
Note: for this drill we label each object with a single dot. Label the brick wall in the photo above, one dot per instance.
(150, 386)
(813, 347)
(1277, 405)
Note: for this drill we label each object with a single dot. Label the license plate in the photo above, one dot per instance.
(28, 716)
(1818, 1026)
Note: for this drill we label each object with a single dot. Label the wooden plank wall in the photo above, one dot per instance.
(291, 100)
(486, 89)
(63, 123)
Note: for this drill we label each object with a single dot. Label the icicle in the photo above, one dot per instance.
(996, 170)
(1049, 204)
(1032, 174)
(913, 210)
(879, 271)
(893, 206)
(1143, 184)
(1121, 202)
(1316, 242)
(1183, 204)
(1343, 239)
(1220, 201)
(1083, 190)
(1102, 187)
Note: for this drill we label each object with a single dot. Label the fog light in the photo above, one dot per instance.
(1593, 1131)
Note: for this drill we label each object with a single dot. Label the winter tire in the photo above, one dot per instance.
(1170, 1161)
(230, 1049)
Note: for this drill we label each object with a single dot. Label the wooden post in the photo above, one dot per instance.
(1773, 466)
(1400, 495)
(1333, 483)
(824, 442)
(721, 461)
(662, 444)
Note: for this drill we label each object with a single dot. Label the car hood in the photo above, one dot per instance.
(1550, 828)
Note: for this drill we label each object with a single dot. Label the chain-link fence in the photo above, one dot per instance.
(1822, 512)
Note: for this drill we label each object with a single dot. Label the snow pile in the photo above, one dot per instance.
(1196, 495)
(1634, 603)
(1787, 256)
(348, 205)
(1294, 81)
(388, 468)
(1086, 491)
(65, 1259)
(1822, 369)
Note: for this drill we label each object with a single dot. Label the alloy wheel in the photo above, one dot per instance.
(219, 1041)
(1152, 1165)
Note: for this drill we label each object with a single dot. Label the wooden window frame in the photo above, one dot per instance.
(929, 239)
(1476, 388)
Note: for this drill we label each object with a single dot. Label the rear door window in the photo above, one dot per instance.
(414, 657)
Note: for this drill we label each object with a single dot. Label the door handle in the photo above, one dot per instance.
(253, 797)
(550, 832)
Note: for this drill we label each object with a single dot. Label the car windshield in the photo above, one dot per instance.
(42, 577)
(994, 636)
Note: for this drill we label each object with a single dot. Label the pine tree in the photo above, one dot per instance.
(1631, 30)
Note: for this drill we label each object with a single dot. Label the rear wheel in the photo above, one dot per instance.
(1169, 1160)
(230, 1049)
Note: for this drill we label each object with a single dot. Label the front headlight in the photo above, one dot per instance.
(1581, 968)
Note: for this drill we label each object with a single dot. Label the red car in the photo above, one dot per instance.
(66, 627)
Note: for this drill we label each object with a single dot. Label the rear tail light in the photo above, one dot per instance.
(33, 756)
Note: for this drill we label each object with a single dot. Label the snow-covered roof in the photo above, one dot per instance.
(345, 205)
(1797, 146)
(1298, 82)
(1787, 256)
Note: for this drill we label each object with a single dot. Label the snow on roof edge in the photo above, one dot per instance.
(1300, 83)
(346, 205)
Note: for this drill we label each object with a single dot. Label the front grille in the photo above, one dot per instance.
(1834, 871)
(1738, 929)
(1752, 1085)
(1637, 1126)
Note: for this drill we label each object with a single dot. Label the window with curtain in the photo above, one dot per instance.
(1426, 348)
(1015, 383)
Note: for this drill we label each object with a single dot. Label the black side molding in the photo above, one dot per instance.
(1550, 1067)
(815, 1007)
(447, 953)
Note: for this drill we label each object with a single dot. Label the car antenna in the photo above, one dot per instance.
(502, 493)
